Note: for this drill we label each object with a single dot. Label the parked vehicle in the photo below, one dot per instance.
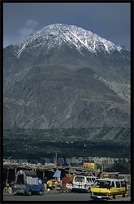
(83, 182)
(27, 182)
(108, 188)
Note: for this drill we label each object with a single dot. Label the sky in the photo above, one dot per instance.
(111, 21)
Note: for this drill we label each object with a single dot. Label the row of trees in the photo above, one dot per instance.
(24, 144)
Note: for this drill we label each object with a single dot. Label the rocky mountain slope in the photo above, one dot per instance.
(66, 77)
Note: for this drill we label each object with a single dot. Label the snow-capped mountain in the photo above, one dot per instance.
(64, 76)
(59, 34)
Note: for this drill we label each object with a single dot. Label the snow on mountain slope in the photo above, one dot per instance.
(57, 34)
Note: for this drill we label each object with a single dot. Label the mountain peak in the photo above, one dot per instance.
(56, 34)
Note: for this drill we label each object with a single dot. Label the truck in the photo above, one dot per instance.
(83, 182)
(27, 182)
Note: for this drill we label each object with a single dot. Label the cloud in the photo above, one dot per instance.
(29, 28)
(6, 42)
(22, 33)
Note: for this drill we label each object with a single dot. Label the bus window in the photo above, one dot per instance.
(117, 184)
(112, 184)
(123, 183)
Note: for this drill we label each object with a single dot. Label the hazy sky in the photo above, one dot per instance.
(109, 20)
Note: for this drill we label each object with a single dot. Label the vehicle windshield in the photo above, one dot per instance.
(95, 183)
(20, 179)
(79, 179)
(103, 184)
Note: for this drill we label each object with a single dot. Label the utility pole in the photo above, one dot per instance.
(56, 160)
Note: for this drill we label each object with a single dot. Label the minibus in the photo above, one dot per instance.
(82, 182)
(109, 188)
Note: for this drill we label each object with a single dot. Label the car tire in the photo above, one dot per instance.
(113, 196)
(89, 190)
(29, 192)
(40, 192)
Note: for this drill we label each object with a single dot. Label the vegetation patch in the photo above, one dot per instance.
(34, 144)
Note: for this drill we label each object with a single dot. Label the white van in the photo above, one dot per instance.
(82, 182)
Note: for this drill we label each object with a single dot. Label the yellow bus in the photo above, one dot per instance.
(108, 188)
